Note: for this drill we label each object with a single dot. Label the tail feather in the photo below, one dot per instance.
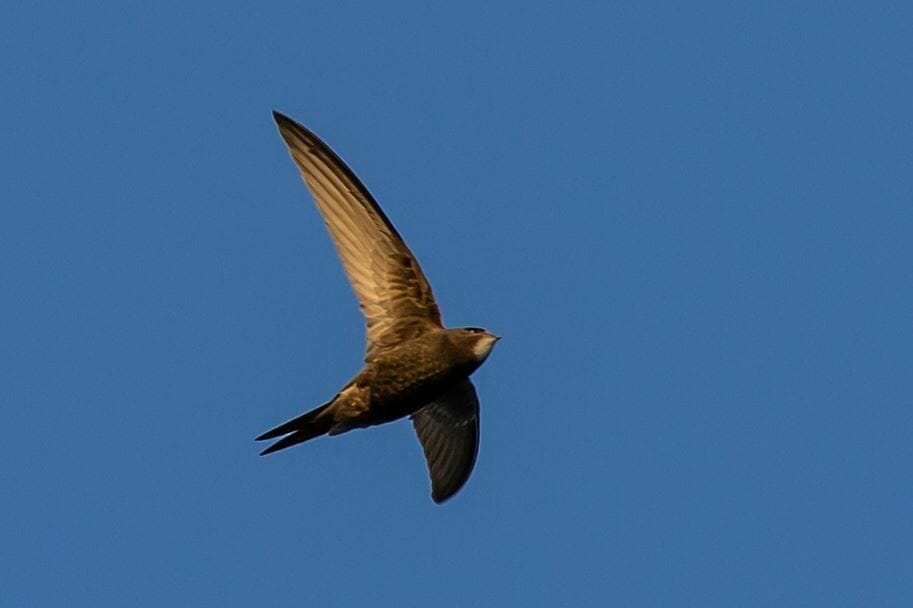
(300, 429)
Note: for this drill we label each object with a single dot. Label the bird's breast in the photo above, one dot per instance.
(405, 379)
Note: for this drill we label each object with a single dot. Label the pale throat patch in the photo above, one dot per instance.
(482, 348)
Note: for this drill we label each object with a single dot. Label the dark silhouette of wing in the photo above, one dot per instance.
(448, 429)
(395, 297)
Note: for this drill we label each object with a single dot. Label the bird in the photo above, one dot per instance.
(413, 365)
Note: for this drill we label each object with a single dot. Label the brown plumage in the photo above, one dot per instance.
(413, 365)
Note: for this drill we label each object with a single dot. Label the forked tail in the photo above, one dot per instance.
(298, 430)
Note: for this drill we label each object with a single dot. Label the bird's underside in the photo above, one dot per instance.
(447, 427)
(413, 365)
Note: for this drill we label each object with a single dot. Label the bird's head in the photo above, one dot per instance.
(481, 341)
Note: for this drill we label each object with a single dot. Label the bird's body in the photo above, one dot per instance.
(413, 365)
(404, 379)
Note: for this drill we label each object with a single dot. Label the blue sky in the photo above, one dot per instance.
(692, 225)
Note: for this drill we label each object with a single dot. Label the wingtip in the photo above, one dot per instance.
(441, 496)
(291, 130)
(282, 121)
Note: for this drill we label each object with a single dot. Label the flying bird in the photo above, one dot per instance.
(413, 365)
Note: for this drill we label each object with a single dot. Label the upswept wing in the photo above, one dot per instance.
(394, 295)
(448, 430)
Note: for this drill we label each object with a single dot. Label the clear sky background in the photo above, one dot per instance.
(691, 224)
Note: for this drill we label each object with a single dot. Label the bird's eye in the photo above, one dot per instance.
(475, 330)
